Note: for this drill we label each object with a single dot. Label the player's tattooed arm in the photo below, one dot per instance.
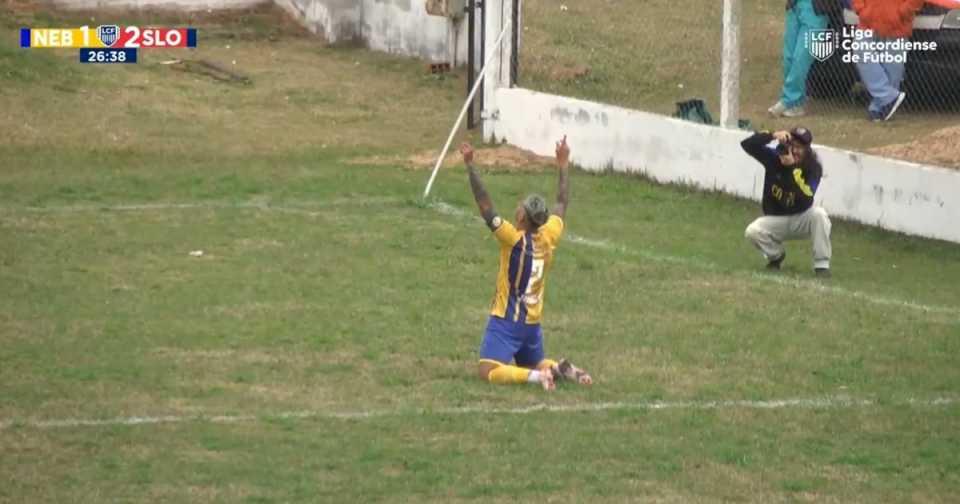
(563, 184)
(480, 195)
(487, 211)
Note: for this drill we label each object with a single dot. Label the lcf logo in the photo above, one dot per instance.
(822, 43)
(108, 34)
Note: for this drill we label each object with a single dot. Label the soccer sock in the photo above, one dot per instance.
(507, 375)
(534, 377)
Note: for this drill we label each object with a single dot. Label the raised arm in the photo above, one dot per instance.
(563, 183)
(756, 146)
(476, 185)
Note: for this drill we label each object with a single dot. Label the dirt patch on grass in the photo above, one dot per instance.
(569, 72)
(939, 148)
(501, 158)
(20, 8)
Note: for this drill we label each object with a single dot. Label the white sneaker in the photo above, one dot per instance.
(795, 112)
(891, 109)
(777, 109)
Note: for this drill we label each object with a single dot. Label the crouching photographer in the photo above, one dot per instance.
(793, 173)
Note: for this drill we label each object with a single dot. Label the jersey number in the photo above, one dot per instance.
(536, 276)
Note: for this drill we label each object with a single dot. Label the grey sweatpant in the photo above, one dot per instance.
(770, 231)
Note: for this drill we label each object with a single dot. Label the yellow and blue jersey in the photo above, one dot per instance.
(525, 259)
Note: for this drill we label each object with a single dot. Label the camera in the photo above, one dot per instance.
(783, 148)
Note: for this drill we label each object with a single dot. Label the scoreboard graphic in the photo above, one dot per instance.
(108, 43)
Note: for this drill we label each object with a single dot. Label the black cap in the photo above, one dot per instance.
(802, 135)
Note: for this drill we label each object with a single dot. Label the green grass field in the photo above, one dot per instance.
(323, 347)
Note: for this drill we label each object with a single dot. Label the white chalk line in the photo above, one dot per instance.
(800, 283)
(827, 402)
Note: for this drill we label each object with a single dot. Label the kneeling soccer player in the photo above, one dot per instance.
(513, 332)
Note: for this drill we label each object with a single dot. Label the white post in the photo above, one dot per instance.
(499, 14)
(730, 65)
(463, 111)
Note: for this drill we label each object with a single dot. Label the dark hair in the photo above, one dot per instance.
(535, 208)
(811, 165)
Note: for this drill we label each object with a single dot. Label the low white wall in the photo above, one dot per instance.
(404, 27)
(334, 20)
(186, 5)
(394, 26)
(895, 195)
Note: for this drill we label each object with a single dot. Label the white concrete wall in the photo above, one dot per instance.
(394, 26)
(895, 195)
(337, 21)
(186, 5)
(404, 27)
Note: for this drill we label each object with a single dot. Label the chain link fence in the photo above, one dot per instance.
(650, 55)
(931, 77)
(850, 96)
(645, 55)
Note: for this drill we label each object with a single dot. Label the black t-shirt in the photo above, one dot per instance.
(787, 190)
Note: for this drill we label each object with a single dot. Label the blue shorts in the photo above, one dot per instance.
(504, 341)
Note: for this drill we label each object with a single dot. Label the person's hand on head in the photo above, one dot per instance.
(466, 150)
(563, 152)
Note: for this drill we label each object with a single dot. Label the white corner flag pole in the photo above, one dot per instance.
(463, 112)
